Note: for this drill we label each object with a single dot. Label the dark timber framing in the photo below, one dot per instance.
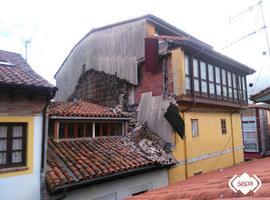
(227, 88)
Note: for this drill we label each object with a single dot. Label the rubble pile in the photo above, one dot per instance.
(146, 142)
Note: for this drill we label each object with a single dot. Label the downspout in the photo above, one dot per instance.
(233, 152)
(185, 151)
(43, 149)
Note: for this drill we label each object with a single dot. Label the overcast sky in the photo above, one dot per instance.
(54, 27)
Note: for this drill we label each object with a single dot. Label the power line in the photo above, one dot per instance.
(244, 37)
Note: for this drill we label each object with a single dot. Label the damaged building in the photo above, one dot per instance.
(178, 84)
(92, 155)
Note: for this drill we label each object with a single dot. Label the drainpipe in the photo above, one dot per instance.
(44, 147)
(185, 151)
(233, 152)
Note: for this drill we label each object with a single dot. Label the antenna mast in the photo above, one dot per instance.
(26, 42)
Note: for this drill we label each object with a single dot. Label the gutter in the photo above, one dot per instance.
(98, 180)
(90, 118)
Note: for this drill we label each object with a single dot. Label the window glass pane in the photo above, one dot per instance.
(234, 81)
(70, 127)
(196, 85)
(16, 144)
(229, 79)
(61, 130)
(187, 65)
(17, 131)
(230, 93)
(239, 82)
(80, 130)
(223, 77)
(3, 144)
(211, 88)
(195, 68)
(217, 70)
(210, 72)
(203, 70)
(3, 157)
(89, 130)
(17, 157)
(218, 90)
(188, 83)
(224, 91)
(204, 86)
(194, 127)
(98, 129)
(3, 131)
(235, 94)
(244, 83)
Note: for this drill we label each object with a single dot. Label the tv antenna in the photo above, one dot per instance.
(264, 27)
(26, 43)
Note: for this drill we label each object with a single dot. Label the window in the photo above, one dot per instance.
(187, 72)
(195, 127)
(235, 93)
(244, 86)
(12, 144)
(211, 79)
(223, 126)
(218, 82)
(224, 83)
(85, 129)
(229, 75)
(240, 91)
(203, 77)
(196, 75)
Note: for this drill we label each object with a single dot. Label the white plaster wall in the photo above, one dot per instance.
(25, 187)
(120, 188)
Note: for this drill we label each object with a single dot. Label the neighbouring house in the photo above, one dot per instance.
(256, 134)
(188, 93)
(256, 125)
(23, 101)
(91, 156)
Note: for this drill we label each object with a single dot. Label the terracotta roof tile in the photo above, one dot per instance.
(214, 185)
(72, 161)
(19, 73)
(82, 109)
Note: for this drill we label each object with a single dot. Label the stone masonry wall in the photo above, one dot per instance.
(101, 88)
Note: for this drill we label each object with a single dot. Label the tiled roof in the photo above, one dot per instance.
(82, 109)
(19, 73)
(215, 185)
(81, 160)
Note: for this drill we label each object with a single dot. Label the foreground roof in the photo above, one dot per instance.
(81, 162)
(214, 185)
(82, 109)
(16, 72)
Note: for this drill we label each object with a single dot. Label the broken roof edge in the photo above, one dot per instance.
(148, 17)
(122, 174)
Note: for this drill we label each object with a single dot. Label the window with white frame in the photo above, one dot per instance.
(203, 77)
(211, 79)
(196, 75)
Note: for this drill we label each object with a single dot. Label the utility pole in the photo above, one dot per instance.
(265, 29)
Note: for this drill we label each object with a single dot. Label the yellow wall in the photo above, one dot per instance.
(210, 140)
(178, 71)
(29, 150)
